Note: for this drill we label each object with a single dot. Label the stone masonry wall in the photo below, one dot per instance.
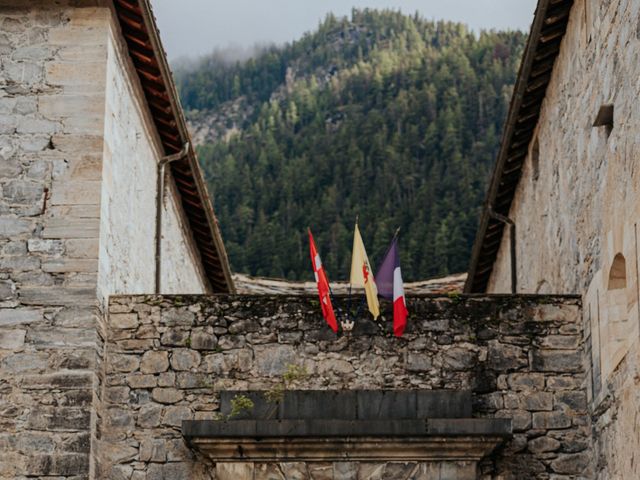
(169, 357)
(54, 58)
(128, 207)
(580, 207)
(52, 75)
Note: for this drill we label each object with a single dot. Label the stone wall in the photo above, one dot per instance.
(579, 212)
(54, 58)
(131, 153)
(52, 75)
(169, 357)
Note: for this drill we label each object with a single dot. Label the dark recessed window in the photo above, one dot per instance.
(604, 118)
(535, 159)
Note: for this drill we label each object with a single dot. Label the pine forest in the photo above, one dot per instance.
(388, 117)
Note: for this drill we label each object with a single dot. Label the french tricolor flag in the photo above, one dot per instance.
(389, 282)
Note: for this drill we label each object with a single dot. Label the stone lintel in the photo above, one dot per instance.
(337, 440)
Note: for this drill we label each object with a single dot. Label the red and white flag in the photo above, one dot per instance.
(323, 285)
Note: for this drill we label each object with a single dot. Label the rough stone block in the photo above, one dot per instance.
(174, 416)
(153, 450)
(573, 464)
(537, 401)
(572, 401)
(58, 296)
(551, 420)
(184, 359)
(12, 339)
(81, 192)
(561, 342)
(273, 359)
(68, 265)
(123, 320)
(20, 192)
(149, 416)
(505, 357)
(137, 380)
(173, 317)
(521, 418)
(175, 338)
(59, 419)
(543, 445)
(123, 363)
(459, 358)
(234, 471)
(557, 313)
(418, 362)
(19, 316)
(48, 247)
(72, 228)
(166, 395)
(556, 361)
(203, 340)
(154, 362)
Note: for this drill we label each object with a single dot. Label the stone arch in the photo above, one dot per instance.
(618, 273)
(617, 328)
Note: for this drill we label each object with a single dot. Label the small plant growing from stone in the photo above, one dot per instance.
(239, 404)
(293, 374)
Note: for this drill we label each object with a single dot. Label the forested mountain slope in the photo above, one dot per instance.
(390, 117)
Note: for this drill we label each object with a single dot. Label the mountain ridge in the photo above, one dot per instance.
(385, 115)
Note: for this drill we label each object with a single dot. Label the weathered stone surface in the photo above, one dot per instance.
(572, 401)
(184, 359)
(538, 401)
(556, 361)
(551, 420)
(459, 358)
(418, 362)
(123, 320)
(543, 444)
(189, 386)
(137, 380)
(149, 416)
(274, 359)
(12, 339)
(152, 450)
(203, 340)
(175, 415)
(234, 471)
(154, 362)
(527, 382)
(571, 463)
(19, 316)
(166, 395)
(124, 363)
(504, 357)
(175, 338)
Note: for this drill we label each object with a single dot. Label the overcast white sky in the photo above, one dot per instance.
(195, 27)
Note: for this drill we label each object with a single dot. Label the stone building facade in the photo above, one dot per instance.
(79, 155)
(575, 203)
(171, 358)
(104, 215)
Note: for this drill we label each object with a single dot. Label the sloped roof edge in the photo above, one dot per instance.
(543, 46)
(147, 54)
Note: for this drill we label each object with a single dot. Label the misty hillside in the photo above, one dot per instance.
(390, 117)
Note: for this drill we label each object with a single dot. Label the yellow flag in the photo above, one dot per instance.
(362, 275)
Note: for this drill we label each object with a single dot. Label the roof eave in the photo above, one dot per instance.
(547, 30)
(149, 59)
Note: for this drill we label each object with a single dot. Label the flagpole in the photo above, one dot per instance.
(349, 316)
